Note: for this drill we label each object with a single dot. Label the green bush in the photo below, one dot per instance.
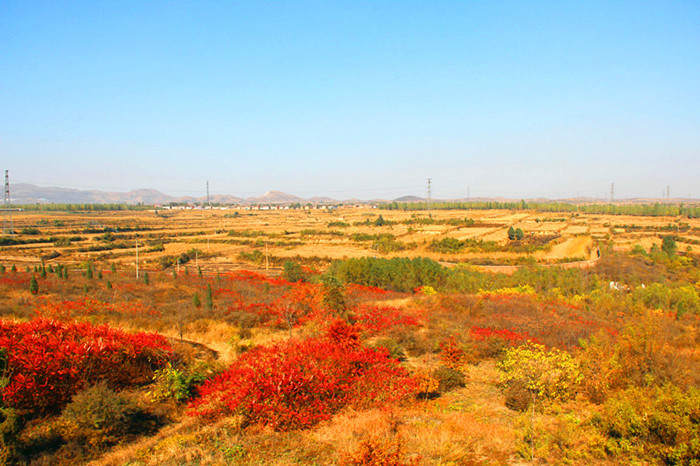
(177, 384)
(663, 422)
(102, 416)
(449, 378)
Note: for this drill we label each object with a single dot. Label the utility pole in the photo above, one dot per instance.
(612, 192)
(7, 213)
(668, 192)
(430, 214)
(208, 204)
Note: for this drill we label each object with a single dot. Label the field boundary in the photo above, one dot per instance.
(511, 269)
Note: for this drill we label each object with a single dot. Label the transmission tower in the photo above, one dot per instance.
(7, 213)
(612, 192)
(430, 214)
(668, 192)
(208, 204)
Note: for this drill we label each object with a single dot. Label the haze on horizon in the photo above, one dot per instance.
(353, 99)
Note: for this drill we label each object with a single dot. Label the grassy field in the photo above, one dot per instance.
(343, 337)
(225, 240)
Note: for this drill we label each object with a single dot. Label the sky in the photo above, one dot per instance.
(347, 99)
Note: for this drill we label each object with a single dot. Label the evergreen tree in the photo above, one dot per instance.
(112, 268)
(33, 286)
(109, 285)
(519, 235)
(196, 301)
(146, 280)
(669, 246)
(209, 299)
(88, 272)
(511, 233)
(43, 272)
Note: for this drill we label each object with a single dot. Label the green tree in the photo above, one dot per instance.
(511, 233)
(380, 222)
(519, 235)
(334, 295)
(293, 272)
(669, 246)
(196, 301)
(33, 286)
(146, 278)
(209, 299)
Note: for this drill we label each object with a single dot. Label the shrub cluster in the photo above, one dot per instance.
(49, 361)
(301, 382)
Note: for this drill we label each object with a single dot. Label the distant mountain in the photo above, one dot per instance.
(321, 200)
(24, 193)
(31, 194)
(409, 199)
(275, 197)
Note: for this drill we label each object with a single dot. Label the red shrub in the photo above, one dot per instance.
(299, 383)
(376, 320)
(49, 361)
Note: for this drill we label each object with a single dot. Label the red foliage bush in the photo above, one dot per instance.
(49, 361)
(302, 382)
(375, 320)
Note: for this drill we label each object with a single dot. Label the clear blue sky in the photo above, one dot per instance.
(353, 99)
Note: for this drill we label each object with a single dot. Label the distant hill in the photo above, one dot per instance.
(275, 197)
(31, 194)
(409, 199)
(24, 193)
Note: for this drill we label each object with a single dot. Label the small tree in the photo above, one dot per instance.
(146, 278)
(549, 374)
(292, 272)
(33, 286)
(209, 299)
(112, 268)
(43, 272)
(88, 272)
(669, 246)
(334, 295)
(380, 222)
(511, 233)
(196, 301)
(519, 235)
